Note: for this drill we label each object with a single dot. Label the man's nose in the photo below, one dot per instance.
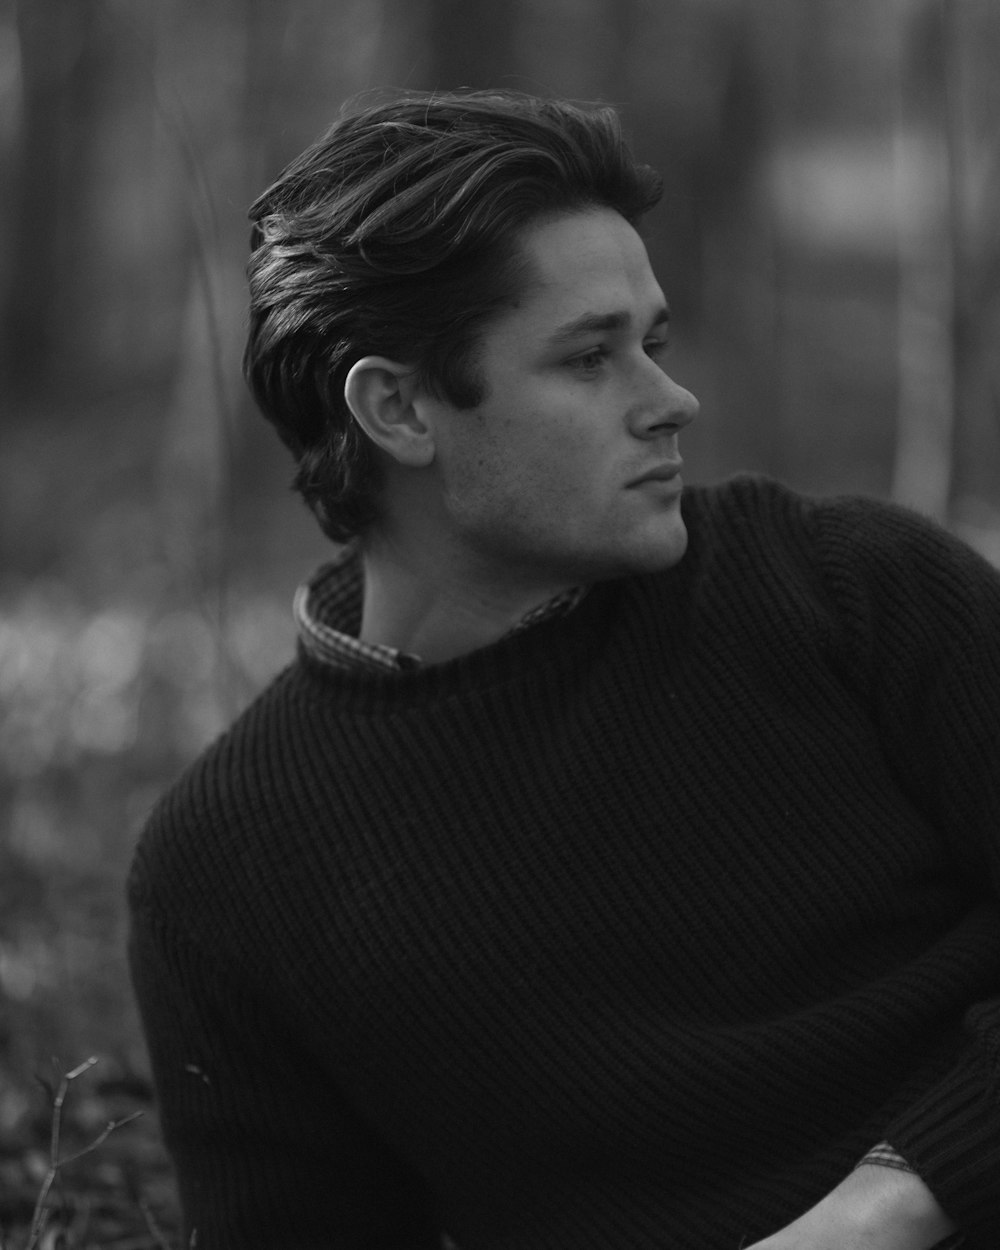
(666, 409)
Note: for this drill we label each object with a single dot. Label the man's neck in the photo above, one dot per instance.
(437, 613)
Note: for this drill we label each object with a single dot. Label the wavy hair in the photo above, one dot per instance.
(396, 235)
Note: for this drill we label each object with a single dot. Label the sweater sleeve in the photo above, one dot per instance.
(266, 1154)
(919, 615)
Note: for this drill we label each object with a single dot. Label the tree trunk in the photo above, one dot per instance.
(61, 74)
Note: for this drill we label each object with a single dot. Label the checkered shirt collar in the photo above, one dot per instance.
(327, 610)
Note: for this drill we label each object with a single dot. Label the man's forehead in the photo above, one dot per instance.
(589, 272)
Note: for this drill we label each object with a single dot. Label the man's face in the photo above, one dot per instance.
(567, 472)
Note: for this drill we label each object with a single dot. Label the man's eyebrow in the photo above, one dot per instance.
(602, 323)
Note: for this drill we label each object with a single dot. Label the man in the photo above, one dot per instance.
(613, 867)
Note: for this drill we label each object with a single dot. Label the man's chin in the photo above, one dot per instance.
(662, 552)
(653, 555)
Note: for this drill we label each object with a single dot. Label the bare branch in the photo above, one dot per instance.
(100, 1139)
(40, 1213)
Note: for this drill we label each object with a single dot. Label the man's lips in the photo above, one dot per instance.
(665, 472)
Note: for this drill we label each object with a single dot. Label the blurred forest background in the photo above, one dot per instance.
(830, 245)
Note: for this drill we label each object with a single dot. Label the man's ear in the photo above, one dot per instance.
(380, 394)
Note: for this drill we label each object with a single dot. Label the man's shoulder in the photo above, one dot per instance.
(215, 813)
(754, 533)
(756, 505)
(745, 497)
(744, 518)
(251, 737)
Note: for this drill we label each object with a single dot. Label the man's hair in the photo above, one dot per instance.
(396, 235)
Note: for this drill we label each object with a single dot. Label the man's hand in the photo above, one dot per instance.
(875, 1208)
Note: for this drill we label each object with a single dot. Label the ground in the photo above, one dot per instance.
(141, 604)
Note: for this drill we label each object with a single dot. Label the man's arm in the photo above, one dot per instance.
(268, 1153)
(921, 644)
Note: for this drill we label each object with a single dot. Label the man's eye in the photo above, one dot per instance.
(656, 347)
(590, 361)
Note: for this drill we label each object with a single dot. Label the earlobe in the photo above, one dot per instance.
(380, 394)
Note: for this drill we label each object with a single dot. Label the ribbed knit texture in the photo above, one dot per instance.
(636, 929)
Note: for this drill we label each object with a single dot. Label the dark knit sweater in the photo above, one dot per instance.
(635, 929)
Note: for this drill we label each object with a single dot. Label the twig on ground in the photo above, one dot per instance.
(40, 1214)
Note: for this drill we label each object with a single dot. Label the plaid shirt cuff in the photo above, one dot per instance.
(884, 1156)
